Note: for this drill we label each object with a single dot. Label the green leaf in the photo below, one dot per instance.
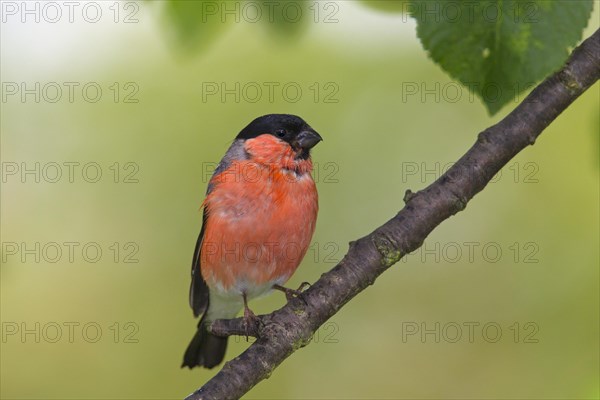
(391, 6)
(285, 18)
(195, 24)
(499, 48)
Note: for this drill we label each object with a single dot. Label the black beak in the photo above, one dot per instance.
(308, 139)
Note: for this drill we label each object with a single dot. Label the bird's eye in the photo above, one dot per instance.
(280, 133)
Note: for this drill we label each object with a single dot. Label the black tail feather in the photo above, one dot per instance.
(205, 349)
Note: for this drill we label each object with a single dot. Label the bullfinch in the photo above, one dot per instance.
(259, 216)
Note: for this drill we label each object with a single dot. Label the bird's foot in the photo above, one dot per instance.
(251, 321)
(290, 294)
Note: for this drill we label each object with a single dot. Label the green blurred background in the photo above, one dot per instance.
(541, 213)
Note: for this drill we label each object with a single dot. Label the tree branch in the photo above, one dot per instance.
(290, 328)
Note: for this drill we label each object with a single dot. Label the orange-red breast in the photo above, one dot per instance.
(259, 216)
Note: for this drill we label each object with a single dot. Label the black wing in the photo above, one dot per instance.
(198, 288)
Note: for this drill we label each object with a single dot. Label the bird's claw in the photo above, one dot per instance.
(290, 294)
(250, 325)
(251, 321)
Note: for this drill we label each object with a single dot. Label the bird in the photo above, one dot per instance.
(259, 216)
